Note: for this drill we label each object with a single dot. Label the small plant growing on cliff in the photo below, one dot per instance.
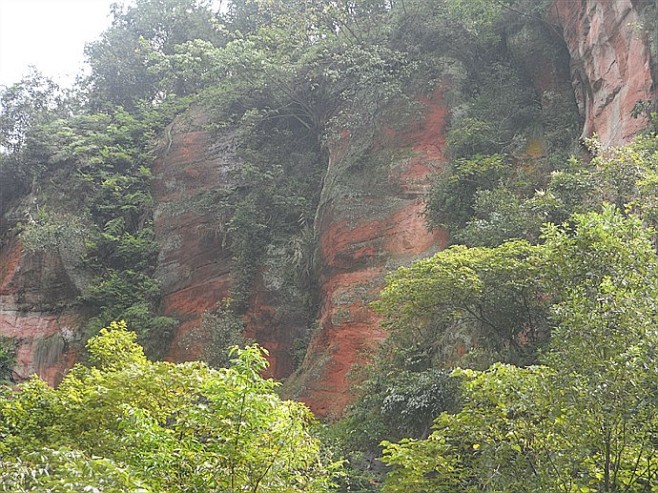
(7, 359)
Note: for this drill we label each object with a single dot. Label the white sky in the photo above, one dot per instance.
(49, 34)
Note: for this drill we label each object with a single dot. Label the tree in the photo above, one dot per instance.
(120, 59)
(487, 446)
(467, 297)
(463, 306)
(585, 422)
(24, 105)
(602, 348)
(127, 424)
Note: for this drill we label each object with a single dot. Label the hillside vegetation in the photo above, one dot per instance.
(522, 358)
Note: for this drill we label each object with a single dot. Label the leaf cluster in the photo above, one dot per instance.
(127, 424)
(586, 420)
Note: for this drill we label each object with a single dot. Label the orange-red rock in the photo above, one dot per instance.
(610, 63)
(194, 266)
(31, 287)
(367, 226)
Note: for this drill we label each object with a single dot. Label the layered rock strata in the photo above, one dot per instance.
(35, 292)
(195, 168)
(369, 222)
(609, 45)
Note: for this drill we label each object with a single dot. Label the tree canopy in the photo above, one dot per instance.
(124, 423)
(586, 420)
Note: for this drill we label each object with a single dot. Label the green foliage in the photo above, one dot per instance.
(626, 176)
(249, 239)
(153, 331)
(121, 60)
(485, 203)
(393, 404)
(193, 66)
(452, 200)
(586, 422)
(7, 359)
(499, 214)
(98, 165)
(495, 430)
(501, 109)
(114, 348)
(464, 297)
(14, 178)
(24, 105)
(497, 115)
(428, 27)
(49, 232)
(221, 329)
(127, 424)
(65, 471)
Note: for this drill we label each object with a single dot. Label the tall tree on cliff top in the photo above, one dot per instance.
(120, 60)
(24, 105)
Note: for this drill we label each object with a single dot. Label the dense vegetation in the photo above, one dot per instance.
(544, 304)
(582, 421)
(127, 424)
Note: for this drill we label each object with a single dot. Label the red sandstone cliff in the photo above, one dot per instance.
(365, 230)
(369, 222)
(195, 265)
(610, 63)
(33, 287)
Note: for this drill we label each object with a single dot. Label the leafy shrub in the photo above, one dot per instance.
(7, 359)
(128, 424)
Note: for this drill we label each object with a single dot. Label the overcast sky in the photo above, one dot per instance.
(49, 34)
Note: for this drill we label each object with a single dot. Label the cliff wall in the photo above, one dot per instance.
(194, 269)
(369, 221)
(371, 224)
(609, 45)
(195, 266)
(35, 312)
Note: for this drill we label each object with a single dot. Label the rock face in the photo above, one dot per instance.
(370, 221)
(33, 286)
(194, 169)
(610, 63)
(193, 267)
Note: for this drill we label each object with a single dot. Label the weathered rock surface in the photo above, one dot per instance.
(193, 170)
(34, 288)
(370, 221)
(193, 266)
(610, 63)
